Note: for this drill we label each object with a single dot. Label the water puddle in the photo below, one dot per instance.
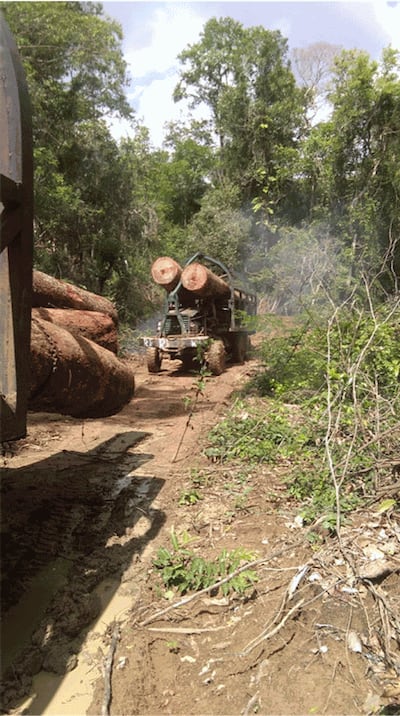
(23, 618)
(72, 693)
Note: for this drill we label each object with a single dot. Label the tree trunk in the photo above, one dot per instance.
(166, 272)
(74, 376)
(202, 282)
(50, 292)
(97, 327)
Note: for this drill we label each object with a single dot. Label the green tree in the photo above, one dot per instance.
(221, 229)
(350, 167)
(244, 79)
(186, 173)
(88, 228)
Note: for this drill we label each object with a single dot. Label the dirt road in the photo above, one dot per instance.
(85, 507)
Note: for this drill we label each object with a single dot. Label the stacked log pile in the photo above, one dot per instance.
(75, 369)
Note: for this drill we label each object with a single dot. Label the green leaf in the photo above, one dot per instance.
(385, 505)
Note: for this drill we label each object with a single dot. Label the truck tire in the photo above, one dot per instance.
(239, 347)
(216, 357)
(153, 359)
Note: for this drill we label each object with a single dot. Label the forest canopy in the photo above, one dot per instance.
(256, 182)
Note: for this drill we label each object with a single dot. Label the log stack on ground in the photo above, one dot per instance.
(50, 292)
(74, 376)
(74, 343)
(93, 325)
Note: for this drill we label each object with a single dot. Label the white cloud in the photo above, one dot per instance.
(383, 17)
(172, 28)
(157, 107)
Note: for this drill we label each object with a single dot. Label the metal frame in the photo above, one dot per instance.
(16, 239)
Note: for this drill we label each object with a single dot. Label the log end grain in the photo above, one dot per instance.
(166, 272)
(203, 282)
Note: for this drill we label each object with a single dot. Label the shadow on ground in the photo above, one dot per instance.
(67, 523)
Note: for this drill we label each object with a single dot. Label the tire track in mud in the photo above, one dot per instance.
(73, 495)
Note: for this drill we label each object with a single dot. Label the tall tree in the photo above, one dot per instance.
(243, 77)
(313, 67)
(76, 74)
(352, 160)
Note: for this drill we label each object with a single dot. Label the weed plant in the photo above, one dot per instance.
(183, 570)
(327, 408)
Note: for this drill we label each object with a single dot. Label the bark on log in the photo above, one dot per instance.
(202, 282)
(95, 326)
(166, 272)
(50, 292)
(74, 376)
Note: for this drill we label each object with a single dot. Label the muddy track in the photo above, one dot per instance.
(81, 501)
(85, 507)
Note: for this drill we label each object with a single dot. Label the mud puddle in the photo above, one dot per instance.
(30, 610)
(72, 693)
(72, 525)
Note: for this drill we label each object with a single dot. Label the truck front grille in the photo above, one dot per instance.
(173, 326)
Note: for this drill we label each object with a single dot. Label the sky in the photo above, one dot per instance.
(156, 32)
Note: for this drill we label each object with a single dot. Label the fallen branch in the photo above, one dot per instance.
(216, 585)
(268, 634)
(105, 710)
(251, 705)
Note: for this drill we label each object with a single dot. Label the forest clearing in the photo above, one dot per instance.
(87, 506)
(217, 534)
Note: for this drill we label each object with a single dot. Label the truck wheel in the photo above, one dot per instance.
(249, 348)
(239, 347)
(153, 359)
(216, 357)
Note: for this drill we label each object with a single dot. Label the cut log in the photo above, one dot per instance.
(166, 272)
(50, 292)
(97, 327)
(202, 282)
(74, 376)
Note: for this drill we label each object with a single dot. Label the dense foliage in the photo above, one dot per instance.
(288, 201)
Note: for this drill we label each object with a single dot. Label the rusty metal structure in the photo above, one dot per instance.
(205, 318)
(16, 238)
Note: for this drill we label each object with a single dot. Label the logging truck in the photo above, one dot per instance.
(204, 318)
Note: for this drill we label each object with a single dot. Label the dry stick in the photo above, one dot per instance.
(187, 630)
(192, 597)
(268, 634)
(105, 710)
(251, 705)
(198, 392)
(332, 679)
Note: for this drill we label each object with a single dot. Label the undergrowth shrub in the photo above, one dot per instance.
(331, 396)
(182, 569)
